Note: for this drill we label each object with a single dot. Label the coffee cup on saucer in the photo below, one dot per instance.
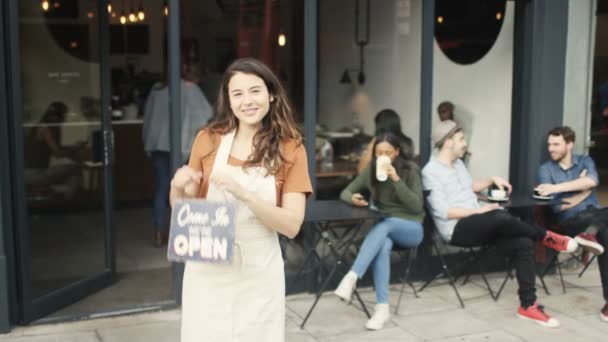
(498, 194)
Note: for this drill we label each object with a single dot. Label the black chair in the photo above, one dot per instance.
(555, 263)
(407, 256)
(544, 218)
(473, 257)
(586, 266)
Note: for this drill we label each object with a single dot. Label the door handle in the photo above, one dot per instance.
(108, 146)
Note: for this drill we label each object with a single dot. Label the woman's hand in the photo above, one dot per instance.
(392, 173)
(227, 183)
(358, 200)
(187, 179)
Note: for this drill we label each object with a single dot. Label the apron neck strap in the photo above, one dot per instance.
(223, 151)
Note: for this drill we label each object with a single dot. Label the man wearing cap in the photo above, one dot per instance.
(461, 221)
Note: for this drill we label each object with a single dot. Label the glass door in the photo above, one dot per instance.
(61, 150)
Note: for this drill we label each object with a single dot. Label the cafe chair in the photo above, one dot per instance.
(555, 264)
(543, 217)
(407, 256)
(473, 259)
(586, 265)
(510, 275)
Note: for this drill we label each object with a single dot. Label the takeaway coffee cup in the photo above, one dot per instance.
(381, 163)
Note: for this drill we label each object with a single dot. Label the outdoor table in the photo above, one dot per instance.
(520, 200)
(323, 217)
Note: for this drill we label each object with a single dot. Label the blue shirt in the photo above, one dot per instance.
(552, 173)
(449, 187)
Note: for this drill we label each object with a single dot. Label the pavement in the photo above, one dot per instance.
(434, 316)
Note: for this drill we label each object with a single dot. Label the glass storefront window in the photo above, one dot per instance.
(369, 61)
(61, 121)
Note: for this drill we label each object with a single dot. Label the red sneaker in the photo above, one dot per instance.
(560, 242)
(589, 243)
(604, 313)
(535, 313)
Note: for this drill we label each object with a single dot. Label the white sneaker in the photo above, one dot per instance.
(381, 316)
(347, 286)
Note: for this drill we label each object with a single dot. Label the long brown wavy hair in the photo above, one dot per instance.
(276, 127)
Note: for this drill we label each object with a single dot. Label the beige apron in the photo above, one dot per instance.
(244, 301)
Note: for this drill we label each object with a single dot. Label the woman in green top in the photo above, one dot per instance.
(400, 198)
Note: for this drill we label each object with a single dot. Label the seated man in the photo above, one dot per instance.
(463, 222)
(573, 178)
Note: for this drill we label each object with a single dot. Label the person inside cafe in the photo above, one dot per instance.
(393, 180)
(196, 111)
(445, 110)
(387, 120)
(573, 179)
(251, 155)
(463, 222)
(43, 143)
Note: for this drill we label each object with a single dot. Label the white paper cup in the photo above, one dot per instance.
(381, 163)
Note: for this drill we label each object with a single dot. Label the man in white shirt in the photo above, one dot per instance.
(461, 221)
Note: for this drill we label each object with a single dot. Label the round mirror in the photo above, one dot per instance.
(466, 30)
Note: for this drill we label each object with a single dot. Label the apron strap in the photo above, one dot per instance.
(223, 151)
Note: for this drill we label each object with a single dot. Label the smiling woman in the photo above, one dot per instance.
(252, 155)
(249, 98)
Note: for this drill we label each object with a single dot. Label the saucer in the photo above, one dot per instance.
(544, 198)
(504, 199)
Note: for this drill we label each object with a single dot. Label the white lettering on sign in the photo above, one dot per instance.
(221, 217)
(180, 245)
(208, 247)
(195, 244)
(185, 216)
(220, 249)
(202, 231)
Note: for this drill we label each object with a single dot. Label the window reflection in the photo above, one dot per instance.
(386, 37)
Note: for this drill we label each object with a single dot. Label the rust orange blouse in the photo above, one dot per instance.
(292, 177)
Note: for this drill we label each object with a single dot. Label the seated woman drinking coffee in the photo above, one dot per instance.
(396, 191)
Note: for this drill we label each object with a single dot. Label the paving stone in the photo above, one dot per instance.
(157, 332)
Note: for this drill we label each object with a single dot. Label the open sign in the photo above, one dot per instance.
(202, 231)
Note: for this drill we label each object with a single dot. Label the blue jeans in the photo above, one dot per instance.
(377, 249)
(162, 166)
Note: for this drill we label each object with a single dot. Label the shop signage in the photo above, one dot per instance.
(202, 231)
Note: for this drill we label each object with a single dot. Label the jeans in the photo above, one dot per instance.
(162, 177)
(513, 236)
(593, 220)
(377, 248)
